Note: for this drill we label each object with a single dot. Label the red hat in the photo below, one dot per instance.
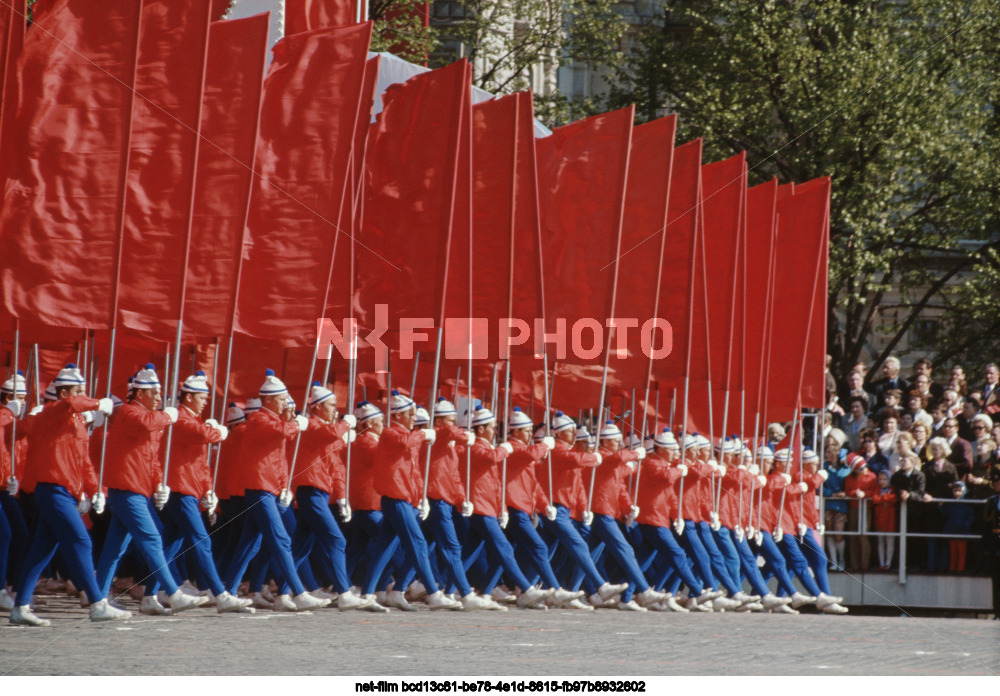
(856, 461)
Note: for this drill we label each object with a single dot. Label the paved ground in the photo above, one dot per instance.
(516, 643)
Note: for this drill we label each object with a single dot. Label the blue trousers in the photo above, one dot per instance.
(691, 542)
(228, 530)
(748, 562)
(731, 557)
(488, 529)
(317, 524)
(12, 557)
(574, 545)
(442, 528)
(662, 539)
(184, 525)
(263, 524)
(772, 554)
(527, 541)
(133, 517)
(818, 561)
(58, 526)
(717, 560)
(364, 525)
(798, 564)
(400, 527)
(608, 531)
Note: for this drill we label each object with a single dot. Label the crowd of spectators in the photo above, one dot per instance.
(920, 443)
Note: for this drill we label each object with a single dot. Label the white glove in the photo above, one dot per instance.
(751, 532)
(98, 418)
(715, 525)
(172, 412)
(778, 534)
(106, 406)
(467, 508)
(740, 536)
(821, 529)
(859, 494)
(36, 410)
(12, 486)
(223, 431)
(762, 480)
(549, 442)
(722, 470)
(503, 519)
(550, 513)
(88, 416)
(823, 474)
(470, 439)
(787, 477)
(344, 508)
(98, 503)
(631, 465)
(534, 519)
(209, 502)
(679, 526)
(507, 446)
(683, 469)
(802, 529)
(212, 423)
(713, 465)
(83, 507)
(759, 539)
(753, 470)
(803, 486)
(285, 499)
(424, 509)
(430, 435)
(640, 453)
(302, 422)
(350, 436)
(633, 514)
(161, 496)
(15, 406)
(588, 517)
(599, 458)
(351, 421)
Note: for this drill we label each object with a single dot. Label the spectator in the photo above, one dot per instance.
(837, 470)
(775, 434)
(893, 399)
(970, 409)
(958, 519)
(923, 379)
(890, 380)
(888, 433)
(960, 451)
(885, 503)
(920, 434)
(858, 485)
(916, 406)
(940, 474)
(905, 422)
(981, 427)
(908, 483)
(856, 422)
(951, 402)
(855, 387)
(875, 460)
(991, 399)
(977, 481)
(995, 434)
(957, 381)
(904, 446)
(939, 415)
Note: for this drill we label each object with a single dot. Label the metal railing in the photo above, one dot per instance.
(903, 534)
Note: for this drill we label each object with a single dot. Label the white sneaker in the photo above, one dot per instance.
(824, 599)
(834, 608)
(472, 602)
(348, 600)
(416, 590)
(225, 602)
(372, 605)
(672, 604)
(182, 602)
(697, 604)
(396, 600)
(608, 591)
(305, 602)
(438, 601)
(162, 597)
(210, 598)
(772, 601)
(191, 588)
(323, 594)
(744, 598)
(268, 594)
(800, 600)
(563, 597)
(784, 609)
(502, 596)
(150, 607)
(650, 596)
(103, 611)
(6, 601)
(577, 604)
(724, 603)
(23, 616)
(533, 595)
(630, 606)
(749, 607)
(257, 600)
(596, 601)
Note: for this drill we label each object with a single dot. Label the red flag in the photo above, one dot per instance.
(60, 224)
(231, 110)
(308, 117)
(813, 389)
(761, 227)
(799, 247)
(309, 15)
(13, 18)
(163, 152)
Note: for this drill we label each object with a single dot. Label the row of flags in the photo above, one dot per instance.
(162, 196)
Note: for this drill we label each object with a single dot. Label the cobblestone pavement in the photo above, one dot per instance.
(515, 643)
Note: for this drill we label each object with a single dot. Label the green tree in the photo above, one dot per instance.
(894, 100)
(399, 29)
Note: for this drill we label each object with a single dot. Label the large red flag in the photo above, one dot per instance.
(13, 20)
(231, 110)
(761, 227)
(61, 215)
(161, 177)
(813, 389)
(308, 119)
(309, 15)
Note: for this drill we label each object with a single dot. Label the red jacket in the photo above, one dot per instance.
(262, 460)
(810, 503)
(885, 510)
(695, 488)
(484, 492)
(229, 461)
(445, 480)
(189, 473)
(611, 497)
(567, 475)
(362, 494)
(729, 500)
(317, 460)
(866, 482)
(397, 473)
(771, 502)
(132, 460)
(57, 449)
(657, 497)
(524, 492)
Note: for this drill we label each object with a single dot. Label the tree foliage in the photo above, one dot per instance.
(894, 100)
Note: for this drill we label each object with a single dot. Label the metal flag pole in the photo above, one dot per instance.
(12, 374)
